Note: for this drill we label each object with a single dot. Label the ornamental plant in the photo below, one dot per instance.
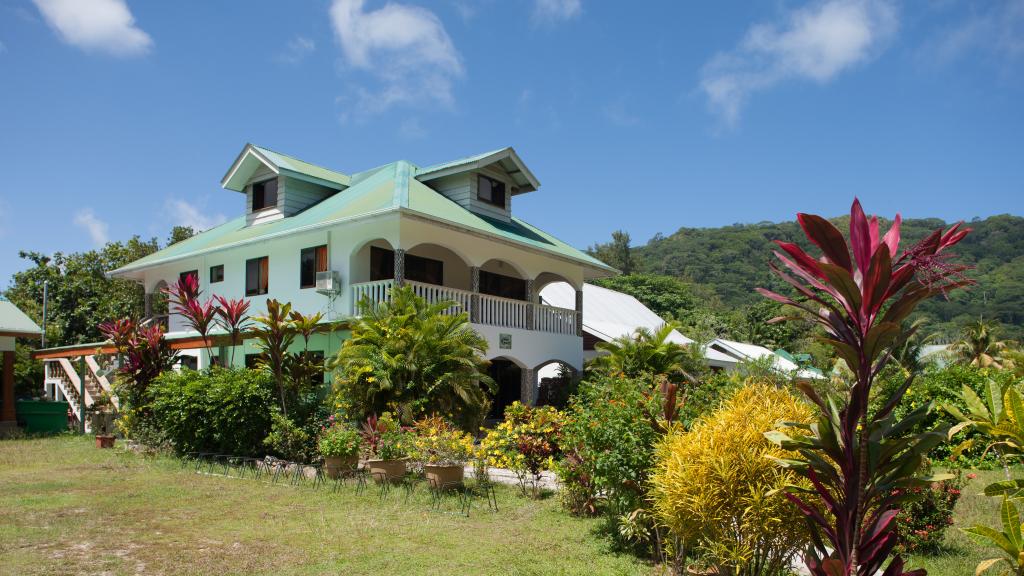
(526, 442)
(183, 297)
(922, 522)
(383, 438)
(716, 488)
(437, 442)
(860, 462)
(338, 439)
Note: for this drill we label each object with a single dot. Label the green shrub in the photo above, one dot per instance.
(339, 439)
(943, 385)
(923, 521)
(223, 410)
(717, 487)
(609, 439)
(289, 440)
(526, 442)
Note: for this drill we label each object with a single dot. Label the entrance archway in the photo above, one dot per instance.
(508, 377)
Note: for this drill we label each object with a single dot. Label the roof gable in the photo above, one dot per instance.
(252, 157)
(506, 158)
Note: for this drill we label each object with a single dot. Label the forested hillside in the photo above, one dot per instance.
(729, 262)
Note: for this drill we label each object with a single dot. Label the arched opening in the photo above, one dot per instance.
(508, 377)
(437, 265)
(157, 310)
(503, 279)
(374, 260)
(556, 381)
(545, 279)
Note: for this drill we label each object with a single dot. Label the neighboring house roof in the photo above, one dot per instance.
(389, 188)
(608, 314)
(743, 351)
(14, 322)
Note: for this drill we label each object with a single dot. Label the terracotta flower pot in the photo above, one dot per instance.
(391, 469)
(335, 466)
(444, 475)
(105, 441)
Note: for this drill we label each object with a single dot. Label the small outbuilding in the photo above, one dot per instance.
(13, 324)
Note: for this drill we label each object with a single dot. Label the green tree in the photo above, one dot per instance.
(80, 296)
(179, 233)
(408, 355)
(617, 253)
(978, 345)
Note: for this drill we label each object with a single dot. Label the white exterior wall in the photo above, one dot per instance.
(349, 257)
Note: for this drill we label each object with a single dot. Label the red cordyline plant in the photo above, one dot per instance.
(199, 316)
(860, 465)
(233, 317)
(144, 355)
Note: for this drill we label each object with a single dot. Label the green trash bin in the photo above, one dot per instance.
(42, 417)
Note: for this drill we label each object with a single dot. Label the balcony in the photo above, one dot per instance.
(482, 308)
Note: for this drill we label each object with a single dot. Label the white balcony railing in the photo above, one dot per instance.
(492, 310)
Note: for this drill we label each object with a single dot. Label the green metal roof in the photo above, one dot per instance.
(301, 167)
(15, 322)
(506, 157)
(389, 188)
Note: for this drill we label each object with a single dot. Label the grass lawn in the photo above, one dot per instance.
(68, 508)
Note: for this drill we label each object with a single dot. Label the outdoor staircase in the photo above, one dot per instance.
(61, 373)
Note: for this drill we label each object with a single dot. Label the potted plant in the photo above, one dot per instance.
(443, 450)
(339, 445)
(102, 421)
(385, 447)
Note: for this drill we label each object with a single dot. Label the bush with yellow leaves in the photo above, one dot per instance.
(718, 489)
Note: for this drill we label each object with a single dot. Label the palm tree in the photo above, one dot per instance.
(978, 345)
(908, 353)
(646, 352)
(407, 354)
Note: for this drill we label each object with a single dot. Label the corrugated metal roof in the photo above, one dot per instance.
(15, 322)
(302, 167)
(385, 189)
(744, 351)
(609, 314)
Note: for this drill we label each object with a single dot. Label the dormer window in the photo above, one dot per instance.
(264, 194)
(490, 190)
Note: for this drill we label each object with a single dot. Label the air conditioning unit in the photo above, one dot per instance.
(328, 282)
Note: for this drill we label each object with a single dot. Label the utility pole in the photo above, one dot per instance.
(46, 284)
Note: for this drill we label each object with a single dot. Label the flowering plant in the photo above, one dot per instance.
(923, 520)
(439, 443)
(526, 442)
(339, 439)
(384, 439)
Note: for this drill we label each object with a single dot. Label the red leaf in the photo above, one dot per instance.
(826, 237)
(892, 237)
(802, 259)
(860, 236)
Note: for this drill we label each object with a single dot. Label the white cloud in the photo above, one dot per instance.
(183, 213)
(406, 51)
(97, 229)
(618, 114)
(101, 25)
(815, 43)
(296, 50)
(996, 28)
(552, 11)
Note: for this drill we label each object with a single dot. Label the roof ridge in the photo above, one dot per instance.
(292, 157)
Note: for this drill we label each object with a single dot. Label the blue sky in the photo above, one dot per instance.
(120, 118)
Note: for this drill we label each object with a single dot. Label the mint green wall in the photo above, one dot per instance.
(329, 344)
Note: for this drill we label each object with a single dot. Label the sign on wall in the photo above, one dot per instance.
(505, 341)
